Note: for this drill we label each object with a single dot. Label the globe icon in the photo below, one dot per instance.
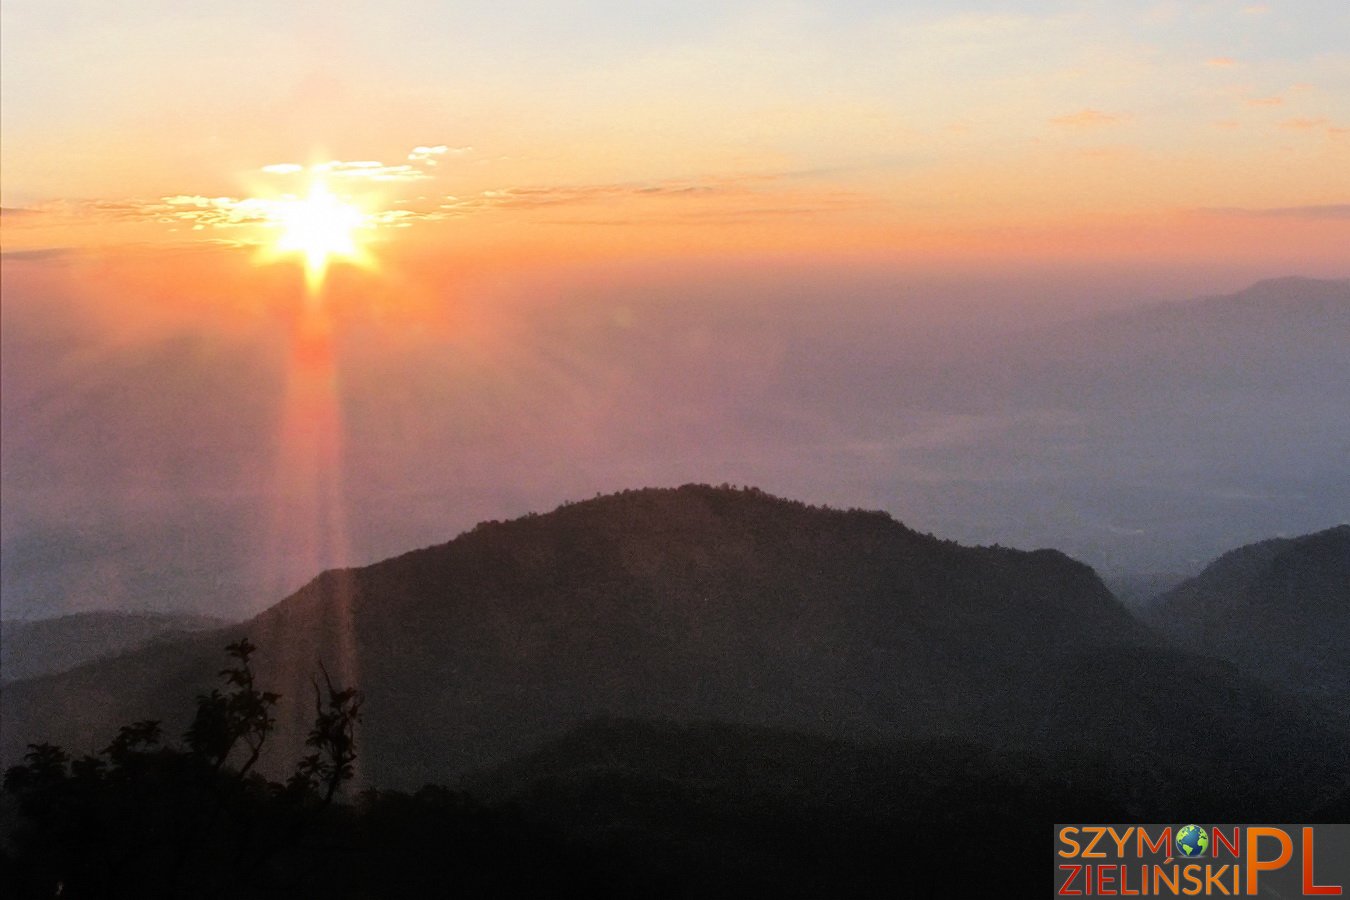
(1192, 840)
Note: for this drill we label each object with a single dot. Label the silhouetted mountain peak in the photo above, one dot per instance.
(731, 548)
(670, 518)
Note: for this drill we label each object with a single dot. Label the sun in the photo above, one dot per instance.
(319, 227)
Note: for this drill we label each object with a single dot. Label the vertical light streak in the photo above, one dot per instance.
(308, 530)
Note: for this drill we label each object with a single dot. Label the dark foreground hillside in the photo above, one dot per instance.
(615, 808)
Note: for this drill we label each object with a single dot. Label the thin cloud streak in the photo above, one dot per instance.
(1086, 118)
(420, 159)
(736, 199)
(1313, 211)
(1305, 123)
(542, 196)
(373, 170)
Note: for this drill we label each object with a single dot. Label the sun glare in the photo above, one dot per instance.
(320, 227)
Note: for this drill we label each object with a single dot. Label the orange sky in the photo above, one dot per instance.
(1064, 131)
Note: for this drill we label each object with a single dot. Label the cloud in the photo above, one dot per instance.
(1107, 152)
(372, 170)
(210, 212)
(1304, 124)
(722, 201)
(429, 156)
(40, 254)
(421, 157)
(402, 218)
(195, 210)
(570, 195)
(1264, 101)
(716, 199)
(731, 216)
(1313, 211)
(1086, 118)
(1221, 62)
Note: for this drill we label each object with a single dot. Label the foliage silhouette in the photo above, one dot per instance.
(333, 737)
(145, 820)
(242, 716)
(149, 820)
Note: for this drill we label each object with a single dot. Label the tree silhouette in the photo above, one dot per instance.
(148, 820)
(333, 737)
(241, 716)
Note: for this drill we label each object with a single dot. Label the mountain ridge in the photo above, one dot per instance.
(689, 603)
(681, 606)
(34, 647)
(1278, 608)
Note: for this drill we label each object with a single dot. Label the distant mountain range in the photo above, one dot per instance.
(704, 604)
(1279, 609)
(1151, 439)
(33, 647)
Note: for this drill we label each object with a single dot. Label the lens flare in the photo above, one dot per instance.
(320, 228)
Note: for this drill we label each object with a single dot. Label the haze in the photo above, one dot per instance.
(857, 256)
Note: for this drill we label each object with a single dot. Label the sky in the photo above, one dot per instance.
(288, 286)
(1100, 130)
